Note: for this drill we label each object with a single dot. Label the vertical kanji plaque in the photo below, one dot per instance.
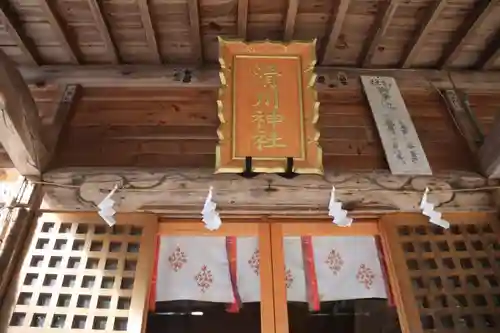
(268, 107)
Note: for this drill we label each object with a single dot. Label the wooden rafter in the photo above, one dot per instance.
(15, 29)
(242, 18)
(338, 21)
(291, 14)
(57, 27)
(417, 42)
(466, 30)
(194, 20)
(491, 53)
(20, 126)
(381, 24)
(103, 28)
(149, 29)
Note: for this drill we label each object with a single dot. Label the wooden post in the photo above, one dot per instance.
(20, 126)
(489, 154)
(15, 225)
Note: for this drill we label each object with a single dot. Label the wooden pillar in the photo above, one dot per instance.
(15, 223)
(489, 154)
(20, 124)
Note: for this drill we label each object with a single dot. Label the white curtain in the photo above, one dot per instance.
(197, 268)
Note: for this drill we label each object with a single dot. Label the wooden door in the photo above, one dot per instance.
(281, 230)
(79, 274)
(445, 281)
(221, 321)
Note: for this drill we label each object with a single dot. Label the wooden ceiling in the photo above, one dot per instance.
(362, 33)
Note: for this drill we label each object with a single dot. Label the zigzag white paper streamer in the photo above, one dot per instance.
(428, 210)
(211, 217)
(106, 211)
(335, 210)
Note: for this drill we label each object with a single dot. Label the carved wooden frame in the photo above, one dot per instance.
(311, 160)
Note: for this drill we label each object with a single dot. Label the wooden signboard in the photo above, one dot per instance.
(268, 108)
(402, 146)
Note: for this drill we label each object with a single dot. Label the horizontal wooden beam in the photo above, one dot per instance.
(182, 192)
(208, 77)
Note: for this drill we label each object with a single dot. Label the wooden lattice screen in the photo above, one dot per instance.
(80, 274)
(446, 280)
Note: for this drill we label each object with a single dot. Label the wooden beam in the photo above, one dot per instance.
(382, 22)
(337, 22)
(489, 154)
(196, 39)
(103, 28)
(208, 77)
(149, 30)
(181, 192)
(291, 15)
(62, 116)
(16, 31)
(417, 42)
(463, 120)
(466, 31)
(242, 18)
(491, 53)
(55, 23)
(20, 127)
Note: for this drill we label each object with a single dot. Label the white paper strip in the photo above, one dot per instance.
(106, 210)
(429, 210)
(335, 210)
(211, 217)
(402, 146)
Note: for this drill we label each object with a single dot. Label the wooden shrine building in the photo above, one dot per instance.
(297, 116)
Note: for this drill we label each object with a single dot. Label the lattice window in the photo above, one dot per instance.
(449, 280)
(80, 274)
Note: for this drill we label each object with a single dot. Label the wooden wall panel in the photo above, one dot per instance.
(485, 107)
(177, 128)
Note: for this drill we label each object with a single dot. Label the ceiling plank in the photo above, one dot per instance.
(103, 28)
(381, 25)
(466, 30)
(21, 127)
(149, 29)
(338, 21)
(16, 31)
(194, 20)
(291, 15)
(416, 43)
(56, 25)
(242, 18)
(491, 54)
